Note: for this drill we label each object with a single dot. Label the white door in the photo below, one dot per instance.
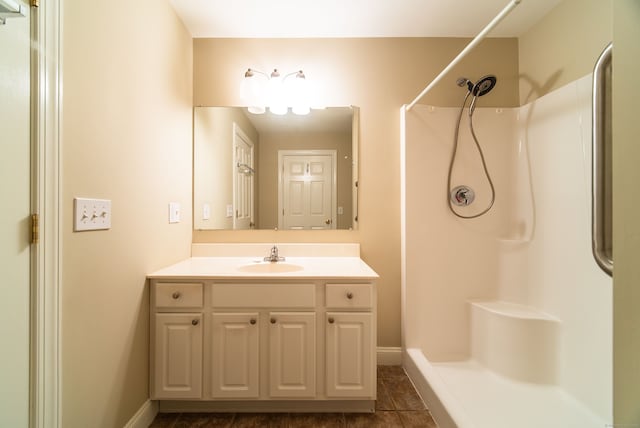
(178, 356)
(15, 220)
(350, 365)
(234, 355)
(243, 180)
(292, 354)
(307, 190)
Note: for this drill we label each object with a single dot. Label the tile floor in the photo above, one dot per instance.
(398, 405)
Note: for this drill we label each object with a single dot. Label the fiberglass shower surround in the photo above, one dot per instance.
(507, 319)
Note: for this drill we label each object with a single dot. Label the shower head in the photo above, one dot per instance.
(483, 86)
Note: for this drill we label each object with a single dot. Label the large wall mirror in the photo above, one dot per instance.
(272, 171)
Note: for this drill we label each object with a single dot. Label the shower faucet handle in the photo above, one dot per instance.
(462, 195)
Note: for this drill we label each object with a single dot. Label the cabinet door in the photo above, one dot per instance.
(350, 366)
(292, 354)
(234, 355)
(178, 356)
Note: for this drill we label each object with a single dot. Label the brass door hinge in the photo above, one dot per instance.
(35, 3)
(35, 228)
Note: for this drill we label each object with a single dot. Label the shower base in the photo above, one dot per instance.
(465, 394)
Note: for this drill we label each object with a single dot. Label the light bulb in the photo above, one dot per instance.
(252, 91)
(299, 94)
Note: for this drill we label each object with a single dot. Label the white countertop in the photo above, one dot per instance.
(231, 268)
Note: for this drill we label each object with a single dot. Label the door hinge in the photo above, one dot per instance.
(35, 228)
(35, 3)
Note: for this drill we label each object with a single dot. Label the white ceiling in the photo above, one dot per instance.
(354, 18)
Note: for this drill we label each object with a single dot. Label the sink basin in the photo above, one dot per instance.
(269, 267)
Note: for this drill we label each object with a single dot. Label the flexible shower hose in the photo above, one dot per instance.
(453, 157)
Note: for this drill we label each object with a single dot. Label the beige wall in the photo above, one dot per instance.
(270, 143)
(563, 46)
(379, 76)
(626, 211)
(126, 136)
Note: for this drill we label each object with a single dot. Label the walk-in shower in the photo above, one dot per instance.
(463, 195)
(507, 319)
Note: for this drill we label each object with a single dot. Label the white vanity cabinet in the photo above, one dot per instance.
(269, 343)
(176, 360)
(234, 355)
(263, 330)
(350, 340)
(292, 355)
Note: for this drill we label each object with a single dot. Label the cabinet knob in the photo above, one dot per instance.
(252, 321)
(349, 295)
(195, 322)
(331, 320)
(176, 295)
(273, 320)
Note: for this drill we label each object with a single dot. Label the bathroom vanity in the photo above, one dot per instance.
(238, 333)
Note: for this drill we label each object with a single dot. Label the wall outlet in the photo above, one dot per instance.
(91, 214)
(174, 212)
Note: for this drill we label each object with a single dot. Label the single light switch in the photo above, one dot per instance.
(91, 214)
(340, 210)
(229, 210)
(174, 212)
(206, 211)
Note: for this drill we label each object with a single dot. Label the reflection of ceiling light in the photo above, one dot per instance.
(259, 90)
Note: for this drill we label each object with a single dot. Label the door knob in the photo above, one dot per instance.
(252, 321)
(331, 320)
(195, 322)
(327, 221)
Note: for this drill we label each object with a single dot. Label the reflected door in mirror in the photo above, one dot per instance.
(307, 189)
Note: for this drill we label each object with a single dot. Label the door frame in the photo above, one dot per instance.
(334, 178)
(46, 113)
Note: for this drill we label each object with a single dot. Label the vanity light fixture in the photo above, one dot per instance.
(259, 90)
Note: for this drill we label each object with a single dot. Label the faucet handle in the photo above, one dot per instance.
(273, 255)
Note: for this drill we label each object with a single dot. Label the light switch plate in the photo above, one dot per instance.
(206, 211)
(91, 214)
(174, 212)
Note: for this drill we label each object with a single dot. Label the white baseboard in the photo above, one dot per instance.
(389, 356)
(144, 416)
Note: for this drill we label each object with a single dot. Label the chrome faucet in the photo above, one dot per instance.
(273, 256)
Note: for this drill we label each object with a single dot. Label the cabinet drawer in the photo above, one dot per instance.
(349, 295)
(263, 295)
(178, 295)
